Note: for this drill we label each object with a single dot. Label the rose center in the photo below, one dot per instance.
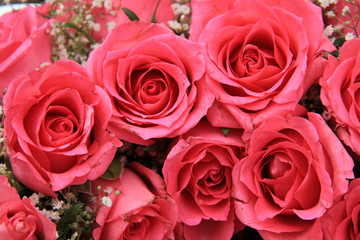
(250, 57)
(22, 223)
(153, 87)
(135, 227)
(275, 167)
(61, 125)
(19, 225)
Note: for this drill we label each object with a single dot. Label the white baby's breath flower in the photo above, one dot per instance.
(349, 36)
(34, 198)
(175, 6)
(88, 209)
(71, 196)
(89, 17)
(108, 4)
(2, 168)
(324, 3)
(345, 10)
(93, 25)
(329, 30)
(330, 14)
(60, 10)
(56, 203)
(62, 53)
(108, 190)
(106, 201)
(92, 199)
(54, 216)
(51, 214)
(96, 3)
(184, 9)
(110, 25)
(95, 45)
(176, 26)
(97, 27)
(338, 27)
(185, 27)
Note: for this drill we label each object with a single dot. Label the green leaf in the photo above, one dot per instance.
(86, 34)
(339, 42)
(114, 170)
(83, 188)
(153, 18)
(131, 15)
(150, 148)
(69, 217)
(225, 131)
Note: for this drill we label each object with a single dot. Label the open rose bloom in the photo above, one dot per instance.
(155, 80)
(19, 219)
(55, 128)
(24, 44)
(141, 209)
(294, 171)
(340, 93)
(342, 219)
(197, 173)
(261, 57)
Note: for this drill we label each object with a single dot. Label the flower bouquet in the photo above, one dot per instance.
(160, 119)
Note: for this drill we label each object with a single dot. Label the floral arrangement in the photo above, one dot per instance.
(175, 119)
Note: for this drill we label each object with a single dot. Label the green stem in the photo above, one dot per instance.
(70, 25)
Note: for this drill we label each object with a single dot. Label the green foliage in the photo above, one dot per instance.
(76, 222)
(153, 18)
(130, 14)
(338, 43)
(225, 131)
(86, 34)
(114, 170)
(69, 217)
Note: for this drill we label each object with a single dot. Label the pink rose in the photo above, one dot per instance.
(155, 80)
(202, 11)
(261, 57)
(342, 220)
(24, 44)
(210, 229)
(139, 209)
(19, 219)
(340, 92)
(295, 169)
(197, 174)
(55, 128)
